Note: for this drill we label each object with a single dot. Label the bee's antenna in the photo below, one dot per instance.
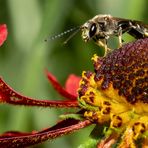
(75, 29)
(73, 34)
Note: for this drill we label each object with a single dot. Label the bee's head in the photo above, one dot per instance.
(89, 30)
(95, 27)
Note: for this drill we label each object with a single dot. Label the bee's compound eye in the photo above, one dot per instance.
(92, 30)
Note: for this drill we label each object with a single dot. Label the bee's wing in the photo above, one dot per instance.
(139, 29)
(135, 28)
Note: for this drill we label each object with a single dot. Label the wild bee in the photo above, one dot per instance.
(101, 27)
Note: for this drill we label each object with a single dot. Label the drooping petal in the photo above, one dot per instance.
(9, 134)
(3, 33)
(62, 128)
(8, 95)
(72, 84)
(59, 88)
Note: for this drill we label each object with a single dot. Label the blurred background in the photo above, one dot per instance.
(25, 55)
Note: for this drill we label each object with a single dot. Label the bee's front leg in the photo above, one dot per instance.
(103, 43)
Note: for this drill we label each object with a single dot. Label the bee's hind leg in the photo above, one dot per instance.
(120, 37)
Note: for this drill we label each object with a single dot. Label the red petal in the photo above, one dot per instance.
(8, 95)
(13, 134)
(62, 128)
(3, 33)
(72, 84)
(59, 88)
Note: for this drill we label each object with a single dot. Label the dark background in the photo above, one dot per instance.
(25, 55)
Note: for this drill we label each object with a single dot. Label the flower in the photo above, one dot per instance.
(113, 97)
(3, 33)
